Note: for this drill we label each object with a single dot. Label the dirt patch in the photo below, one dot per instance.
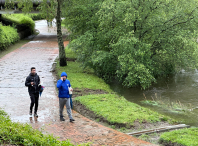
(71, 59)
(81, 92)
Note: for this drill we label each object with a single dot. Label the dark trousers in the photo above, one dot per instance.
(34, 100)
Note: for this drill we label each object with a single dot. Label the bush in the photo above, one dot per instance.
(21, 19)
(8, 36)
(36, 16)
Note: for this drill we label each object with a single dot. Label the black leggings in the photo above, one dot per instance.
(34, 100)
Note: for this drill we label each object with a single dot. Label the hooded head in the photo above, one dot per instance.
(63, 74)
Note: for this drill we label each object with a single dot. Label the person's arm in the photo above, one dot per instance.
(59, 83)
(27, 82)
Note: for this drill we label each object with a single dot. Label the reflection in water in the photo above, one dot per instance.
(182, 86)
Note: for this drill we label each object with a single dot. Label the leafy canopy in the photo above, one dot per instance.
(135, 41)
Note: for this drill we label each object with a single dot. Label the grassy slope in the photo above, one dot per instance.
(118, 110)
(110, 106)
(186, 137)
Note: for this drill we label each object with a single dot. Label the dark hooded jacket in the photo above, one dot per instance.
(33, 88)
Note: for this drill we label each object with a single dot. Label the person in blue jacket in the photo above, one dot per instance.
(64, 98)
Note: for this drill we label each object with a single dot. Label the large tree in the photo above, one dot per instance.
(134, 40)
(50, 9)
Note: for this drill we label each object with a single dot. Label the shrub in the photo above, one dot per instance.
(21, 19)
(8, 35)
(36, 16)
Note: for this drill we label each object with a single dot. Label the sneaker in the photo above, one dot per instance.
(62, 119)
(30, 113)
(71, 120)
(35, 115)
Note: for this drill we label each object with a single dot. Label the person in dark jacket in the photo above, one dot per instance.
(32, 82)
(64, 98)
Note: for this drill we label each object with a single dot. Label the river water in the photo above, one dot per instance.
(182, 87)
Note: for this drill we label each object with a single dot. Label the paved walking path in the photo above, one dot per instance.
(41, 53)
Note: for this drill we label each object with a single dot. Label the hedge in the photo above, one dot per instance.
(21, 19)
(8, 36)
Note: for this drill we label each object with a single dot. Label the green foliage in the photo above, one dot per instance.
(118, 110)
(24, 134)
(82, 78)
(110, 106)
(36, 16)
(47, 11)
(186, 137)
(79, 77)
(135, 41)
(21, 19)
(70, 53)
(8, 36)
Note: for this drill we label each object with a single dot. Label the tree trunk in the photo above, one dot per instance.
(62, 55)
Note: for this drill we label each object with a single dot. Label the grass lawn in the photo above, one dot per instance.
(117, 110)
(110, 106)
(186, 137)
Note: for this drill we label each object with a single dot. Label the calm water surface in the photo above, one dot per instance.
(182, 86)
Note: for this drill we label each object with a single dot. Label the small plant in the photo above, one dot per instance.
(144, 137)
(122, 129)
(97, 120)
(113, 126)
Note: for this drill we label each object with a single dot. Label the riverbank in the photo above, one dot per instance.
(94, 99)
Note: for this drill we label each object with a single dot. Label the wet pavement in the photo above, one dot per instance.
(15, 100)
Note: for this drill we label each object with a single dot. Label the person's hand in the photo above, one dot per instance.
(62, 78)
(71, 89)
(32, 83)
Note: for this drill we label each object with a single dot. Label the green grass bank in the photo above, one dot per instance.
(106, 105)
(182, 137)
